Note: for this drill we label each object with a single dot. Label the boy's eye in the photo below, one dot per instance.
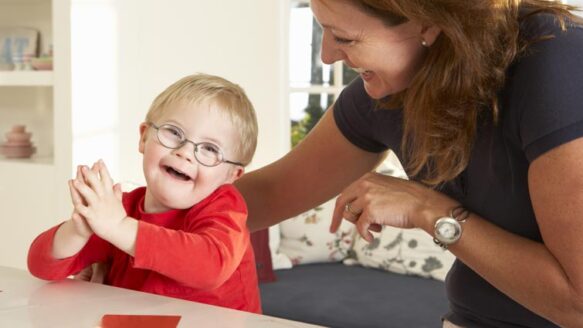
(209, 148)
(174, 131)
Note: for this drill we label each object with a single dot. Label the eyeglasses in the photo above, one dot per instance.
(206, 153)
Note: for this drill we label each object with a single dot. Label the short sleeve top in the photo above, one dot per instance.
(541, 107)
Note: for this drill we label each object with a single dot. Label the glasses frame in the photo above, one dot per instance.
(195, 144)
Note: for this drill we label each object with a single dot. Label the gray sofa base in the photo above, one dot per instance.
(335, 295)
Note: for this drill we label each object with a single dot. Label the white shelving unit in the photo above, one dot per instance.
(31, 190)
(26, 78)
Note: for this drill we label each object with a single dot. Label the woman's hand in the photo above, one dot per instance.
(375, 200)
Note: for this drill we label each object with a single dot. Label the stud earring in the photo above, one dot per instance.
(424, 43)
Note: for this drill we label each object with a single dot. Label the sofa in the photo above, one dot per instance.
(336, 295)
(341, 280)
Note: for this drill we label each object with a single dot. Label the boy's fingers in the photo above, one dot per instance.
(117, 191)
(88, 195)
(92, 180)
(104, 173)
(75, 196)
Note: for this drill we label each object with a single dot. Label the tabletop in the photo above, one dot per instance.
(26, 301)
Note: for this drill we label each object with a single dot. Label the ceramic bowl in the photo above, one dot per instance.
(25, 143)
(18, 128)
(18, 136)
(42, 63)
(17, 152)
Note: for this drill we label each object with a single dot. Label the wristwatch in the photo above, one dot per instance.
(448, 229)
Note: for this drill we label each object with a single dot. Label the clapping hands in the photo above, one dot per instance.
(97, 201)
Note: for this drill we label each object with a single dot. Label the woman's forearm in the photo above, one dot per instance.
(523, 269)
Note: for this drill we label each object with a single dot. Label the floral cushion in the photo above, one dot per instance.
(306, 238)
(405, 251)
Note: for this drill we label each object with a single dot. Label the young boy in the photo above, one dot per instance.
(184, 235)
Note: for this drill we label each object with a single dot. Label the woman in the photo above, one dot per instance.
(481, 100)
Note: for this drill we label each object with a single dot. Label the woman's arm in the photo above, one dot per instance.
(545, 278)
(313, 172)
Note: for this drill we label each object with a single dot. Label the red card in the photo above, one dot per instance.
(141, 321)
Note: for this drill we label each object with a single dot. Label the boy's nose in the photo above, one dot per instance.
(186, 151)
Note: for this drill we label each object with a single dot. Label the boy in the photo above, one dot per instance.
(184, 235)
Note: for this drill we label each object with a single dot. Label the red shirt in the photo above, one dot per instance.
(200, 254)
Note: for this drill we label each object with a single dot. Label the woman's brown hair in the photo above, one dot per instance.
(460, 77)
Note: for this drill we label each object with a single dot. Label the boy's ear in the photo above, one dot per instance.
(235, 173)
(143, 136)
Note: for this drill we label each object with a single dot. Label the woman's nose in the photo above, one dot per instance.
(329, 52)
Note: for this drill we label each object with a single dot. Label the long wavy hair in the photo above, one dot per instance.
(461, 75)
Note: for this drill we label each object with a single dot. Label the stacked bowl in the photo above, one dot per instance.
(18, 144)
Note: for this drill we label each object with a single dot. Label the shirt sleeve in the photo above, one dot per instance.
(209, 249)
(43, 265)
(551, 104)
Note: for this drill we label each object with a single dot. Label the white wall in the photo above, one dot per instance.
(126, 52)
(162, 41)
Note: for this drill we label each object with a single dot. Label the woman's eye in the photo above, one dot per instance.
(342, 40)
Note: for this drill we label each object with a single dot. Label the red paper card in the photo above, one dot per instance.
(141, 321)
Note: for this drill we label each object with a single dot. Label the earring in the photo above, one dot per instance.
(424, 43)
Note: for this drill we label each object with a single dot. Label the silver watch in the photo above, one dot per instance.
(448, 229)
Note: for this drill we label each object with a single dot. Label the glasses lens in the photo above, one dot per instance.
(208, 154)
(170, 136)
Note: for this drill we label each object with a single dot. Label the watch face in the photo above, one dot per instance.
(447, 230)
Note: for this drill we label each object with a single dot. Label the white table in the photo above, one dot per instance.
(29, 302)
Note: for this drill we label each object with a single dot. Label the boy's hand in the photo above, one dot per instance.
(95, 272)
(81, 226)
(102, 207)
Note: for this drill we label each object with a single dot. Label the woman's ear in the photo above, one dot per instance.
(143, 136)
(429, 34)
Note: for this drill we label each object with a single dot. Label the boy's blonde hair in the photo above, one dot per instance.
(228, 96)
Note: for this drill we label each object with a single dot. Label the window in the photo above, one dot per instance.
(313, 86)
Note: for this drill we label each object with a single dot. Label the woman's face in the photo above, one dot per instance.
(387, 58)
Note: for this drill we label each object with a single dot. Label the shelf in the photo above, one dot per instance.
(26, 78)
(22, 2)
(6, 163)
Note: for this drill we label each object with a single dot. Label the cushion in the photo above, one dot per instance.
(335, 295)
(306, 238)
(279, 260)
(404, 251)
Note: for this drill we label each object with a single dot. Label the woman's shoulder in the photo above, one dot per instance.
(550, 46)
(536, 28)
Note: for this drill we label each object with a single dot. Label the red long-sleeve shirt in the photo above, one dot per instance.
(201, 254)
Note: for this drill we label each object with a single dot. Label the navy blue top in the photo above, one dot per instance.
(541, 107)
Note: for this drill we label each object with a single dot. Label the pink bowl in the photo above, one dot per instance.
(18, 128)
(25, 143)
(17, 152)
(18, 136)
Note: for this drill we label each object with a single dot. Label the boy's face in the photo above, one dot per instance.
(167, 189)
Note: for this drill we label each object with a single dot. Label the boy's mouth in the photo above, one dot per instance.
(177, 174)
